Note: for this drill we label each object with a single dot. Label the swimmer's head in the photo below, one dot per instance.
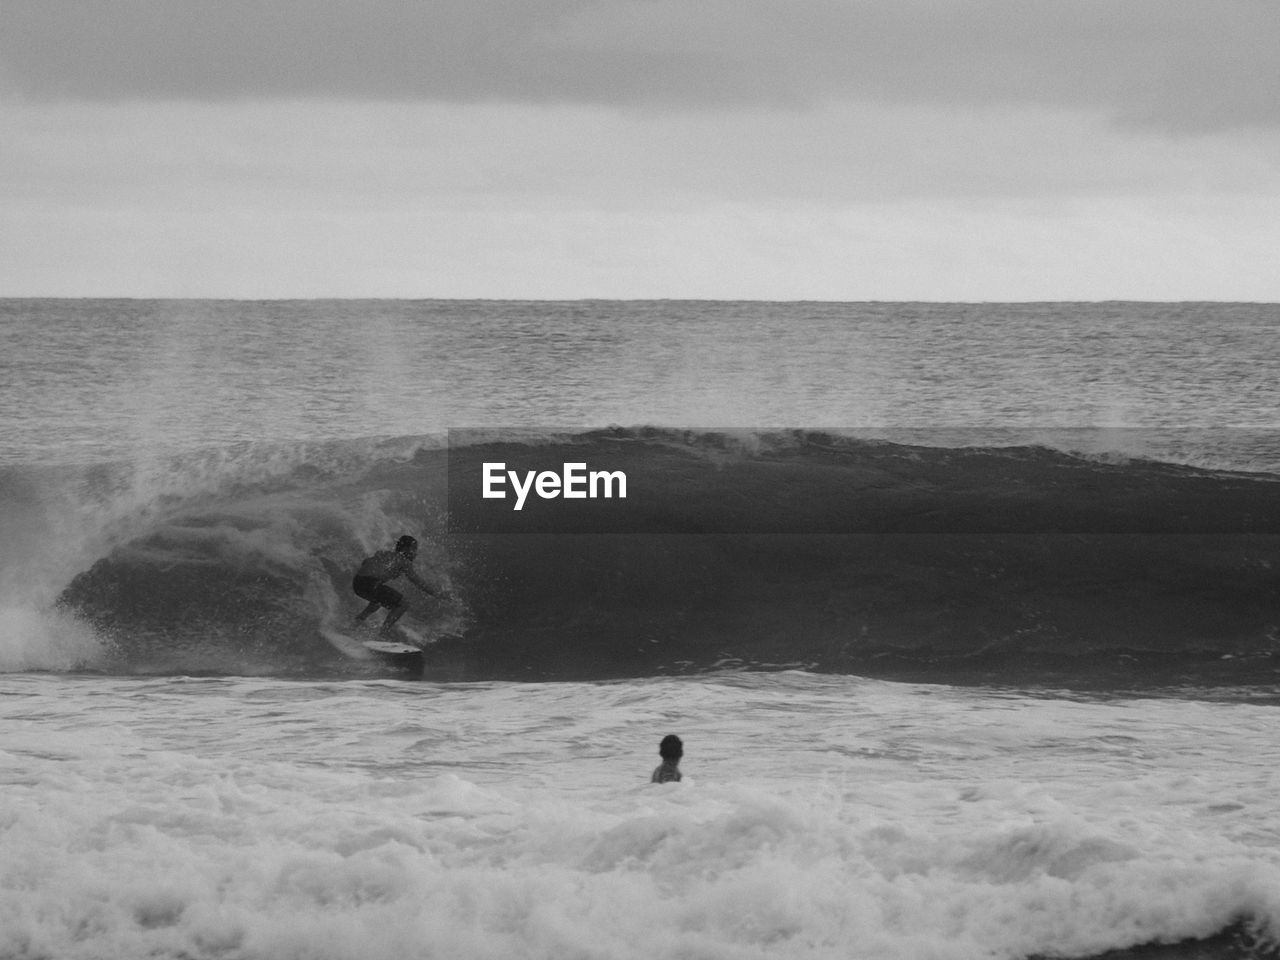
(671, 748)
(407, 544)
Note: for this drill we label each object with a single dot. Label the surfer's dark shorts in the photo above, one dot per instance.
(369, 588)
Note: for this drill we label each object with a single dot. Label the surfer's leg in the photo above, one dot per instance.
(393, 616)
(379, 595)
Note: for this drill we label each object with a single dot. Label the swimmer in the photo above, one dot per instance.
(671, 750)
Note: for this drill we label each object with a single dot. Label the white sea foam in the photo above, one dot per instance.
(819, 817)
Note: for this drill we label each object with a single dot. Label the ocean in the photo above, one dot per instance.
(968, 616)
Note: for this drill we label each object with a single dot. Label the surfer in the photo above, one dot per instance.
(671, 750)
(370, 582)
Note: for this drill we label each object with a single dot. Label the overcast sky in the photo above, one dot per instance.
(772, 149)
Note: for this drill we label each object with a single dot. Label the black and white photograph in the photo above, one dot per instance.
(639, 480)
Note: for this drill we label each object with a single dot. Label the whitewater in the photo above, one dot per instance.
(966, 613)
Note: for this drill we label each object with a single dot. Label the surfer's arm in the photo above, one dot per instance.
(418, 582)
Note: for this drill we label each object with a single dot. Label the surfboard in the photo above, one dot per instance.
(404, 656)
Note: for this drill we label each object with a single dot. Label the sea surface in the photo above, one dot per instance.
(968, 616)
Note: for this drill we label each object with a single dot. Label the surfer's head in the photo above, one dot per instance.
(671, 748)
(407, 544)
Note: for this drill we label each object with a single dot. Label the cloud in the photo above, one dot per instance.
(317, 198)
(1177, 65)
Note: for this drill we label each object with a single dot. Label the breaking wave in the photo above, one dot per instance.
(803, 549)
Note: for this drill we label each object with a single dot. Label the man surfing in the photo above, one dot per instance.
(370, 582)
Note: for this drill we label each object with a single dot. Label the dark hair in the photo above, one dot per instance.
(405, 544)
(671, 748)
